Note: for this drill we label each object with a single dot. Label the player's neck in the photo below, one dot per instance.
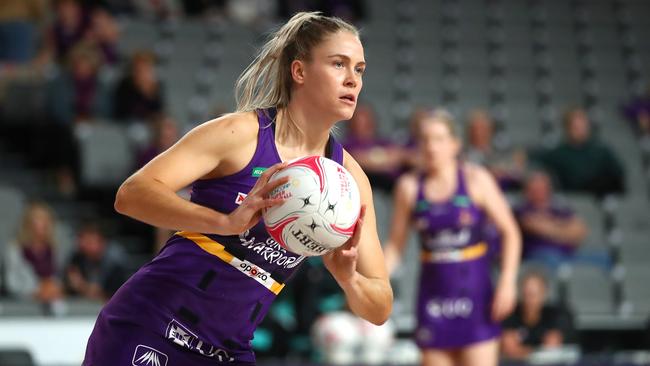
(300, 133)
(446, 172)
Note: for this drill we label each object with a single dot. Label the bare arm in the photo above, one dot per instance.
(571, 230)
(552, 338)
(359, 266)
(489, 196)
(149, 195)
(512, 347)
(403, 201)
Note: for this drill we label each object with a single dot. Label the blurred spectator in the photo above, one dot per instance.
(18, 29)
(105, 33)
(381, 159)
(80, 92)
(73, 23)
(582, 163)
(164, 133)
(96, 269)
(552, 232)
(637, 112)
(30, 261)
(139, 94)
(507, 166)
(534, 323)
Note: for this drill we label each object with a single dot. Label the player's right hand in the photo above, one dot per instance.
(248, 214)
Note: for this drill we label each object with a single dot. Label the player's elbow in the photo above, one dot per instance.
(381, 313)
(124, 197)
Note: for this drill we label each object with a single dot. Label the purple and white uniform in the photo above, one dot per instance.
(199, 301)
(455, 292)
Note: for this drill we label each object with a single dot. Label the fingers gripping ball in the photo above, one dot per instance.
(321, 206)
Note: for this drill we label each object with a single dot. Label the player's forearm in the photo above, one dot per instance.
(150, 201)
(511, 253)
(369, 298)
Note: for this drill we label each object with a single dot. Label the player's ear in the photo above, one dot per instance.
(298, 71)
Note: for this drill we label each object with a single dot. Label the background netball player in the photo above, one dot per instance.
(448, 203)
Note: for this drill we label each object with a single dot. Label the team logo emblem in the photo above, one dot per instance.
(240, 198)
(147, 356)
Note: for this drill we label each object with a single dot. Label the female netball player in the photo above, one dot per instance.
(448, 202)
(199, 301)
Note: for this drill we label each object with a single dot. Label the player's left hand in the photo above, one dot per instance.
(504, 300)
(342, 262)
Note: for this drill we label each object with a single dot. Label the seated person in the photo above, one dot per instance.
(506, 165)
(582, 163)
(380, 158)
(30, 260)
(95, 270)
(637, 112)
(164, 133)
(552, 232)
(139, 94)
(534, 324)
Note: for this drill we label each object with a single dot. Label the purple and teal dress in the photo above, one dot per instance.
(455, 288)
(199, 301)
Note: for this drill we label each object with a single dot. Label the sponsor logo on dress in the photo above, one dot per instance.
(450, 308)
(257, 171)
(147, 356)
(182, 336)
(240, 198)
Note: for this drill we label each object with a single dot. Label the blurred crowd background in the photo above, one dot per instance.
(552, 96)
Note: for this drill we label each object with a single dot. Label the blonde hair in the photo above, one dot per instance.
(442, 116)
(25, 231)
(267, 81)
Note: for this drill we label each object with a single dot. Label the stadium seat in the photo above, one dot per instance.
(107, 157)
(16, 357)
(635, 287)
(590, 290)
(12, 202)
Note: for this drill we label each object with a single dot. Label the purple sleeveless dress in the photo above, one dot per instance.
(199, 301)
(455, 290)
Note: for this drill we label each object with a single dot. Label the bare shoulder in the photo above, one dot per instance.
(407, 186)
(480, 183)
(476, 173)
(232, 128)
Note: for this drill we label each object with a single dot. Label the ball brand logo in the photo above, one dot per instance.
(281, 192)
(343, 179)
(253, 271)
(147, 356)
(308, 242)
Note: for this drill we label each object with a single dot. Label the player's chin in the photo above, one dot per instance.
(345, 111)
